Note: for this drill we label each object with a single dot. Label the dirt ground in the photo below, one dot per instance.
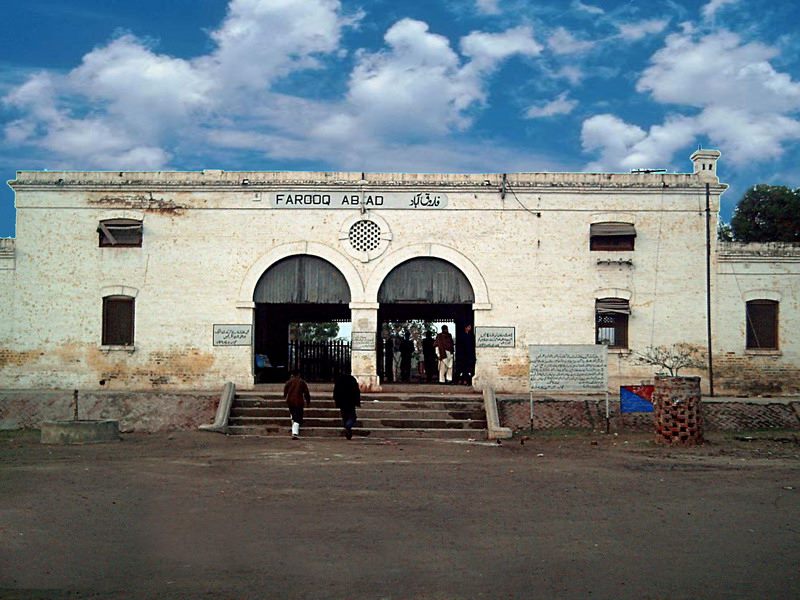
(200, 515)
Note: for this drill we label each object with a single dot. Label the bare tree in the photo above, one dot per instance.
(672, 358)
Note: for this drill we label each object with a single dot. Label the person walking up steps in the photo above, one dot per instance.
(346, 396)
(296, 394)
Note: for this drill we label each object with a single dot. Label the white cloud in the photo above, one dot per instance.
(746, 135)
(636, 31)
(419, 86)
(144, 89)
(739, 101)
(624, 146)
(488, 7)
(261, 40)
(125, 100)
(571, 73)
(562, 41)
(414, 87)
(587, 8)
(128, 106)
(611, 136)
(719, 69)
(561, 105)
(710, 9)
(488, 49)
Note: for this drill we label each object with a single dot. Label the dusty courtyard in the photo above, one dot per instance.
(200, 515)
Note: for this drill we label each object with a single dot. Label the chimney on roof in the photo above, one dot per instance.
(705, 163)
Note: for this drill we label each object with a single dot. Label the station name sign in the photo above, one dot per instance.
(330, 199)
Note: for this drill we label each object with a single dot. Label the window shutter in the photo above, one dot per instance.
(612, 305)
(120, 232)
(762, 325)
(118, 313)
(612, 229)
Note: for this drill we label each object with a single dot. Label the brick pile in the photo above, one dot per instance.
(678, 411)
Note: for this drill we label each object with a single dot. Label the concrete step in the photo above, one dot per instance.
(369, 396)
(401, 413)
(383, 433)
(336, 423)
(373, 413)
(250, 405)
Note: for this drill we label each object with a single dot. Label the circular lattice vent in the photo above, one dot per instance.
(365, 236)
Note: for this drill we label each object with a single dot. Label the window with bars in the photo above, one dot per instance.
(612, 236)
(762, 325)
(120, 233)
(611, 322)
(118, 314)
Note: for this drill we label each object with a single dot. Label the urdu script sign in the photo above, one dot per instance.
(494, 337)
(569, 368)
(232, 335)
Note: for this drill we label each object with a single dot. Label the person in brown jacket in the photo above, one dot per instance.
(297, 396)
(444, 351)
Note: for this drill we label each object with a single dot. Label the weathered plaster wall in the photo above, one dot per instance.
(747, 272)
(203, 232)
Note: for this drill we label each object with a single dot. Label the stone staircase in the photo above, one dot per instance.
(457, 413)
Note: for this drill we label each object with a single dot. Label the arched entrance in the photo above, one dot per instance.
(298, 301)
(418, 294)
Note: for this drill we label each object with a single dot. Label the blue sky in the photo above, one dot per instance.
(418, 85)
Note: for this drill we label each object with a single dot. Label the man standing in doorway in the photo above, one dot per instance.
(444, 351)
(429, 355)
(297, 396)
(465, 359)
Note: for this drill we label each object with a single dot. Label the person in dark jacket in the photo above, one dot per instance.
(346, 396)
(429, 356)
(296, 394)
(465, 356)
(406, 352)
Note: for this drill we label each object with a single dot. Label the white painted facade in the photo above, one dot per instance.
(209, 236)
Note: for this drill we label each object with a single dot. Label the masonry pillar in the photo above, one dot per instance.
(241, 371)
(364, 321)
(485, 363)
(678, 414)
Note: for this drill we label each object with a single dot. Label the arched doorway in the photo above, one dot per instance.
(418, 294)
(299, 302)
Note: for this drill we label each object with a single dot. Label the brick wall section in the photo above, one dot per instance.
(548, 414)
(589, 414)
(751, 374)
(730, 416)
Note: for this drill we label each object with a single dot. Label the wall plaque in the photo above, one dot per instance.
(495, 337)
(569, 368)
(233, 335)
(362, 340)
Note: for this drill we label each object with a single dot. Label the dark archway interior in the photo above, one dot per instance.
(272, 331)
(422, 289)
(299, 289)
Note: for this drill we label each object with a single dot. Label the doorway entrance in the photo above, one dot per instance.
(301, 303)
(419, 295)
